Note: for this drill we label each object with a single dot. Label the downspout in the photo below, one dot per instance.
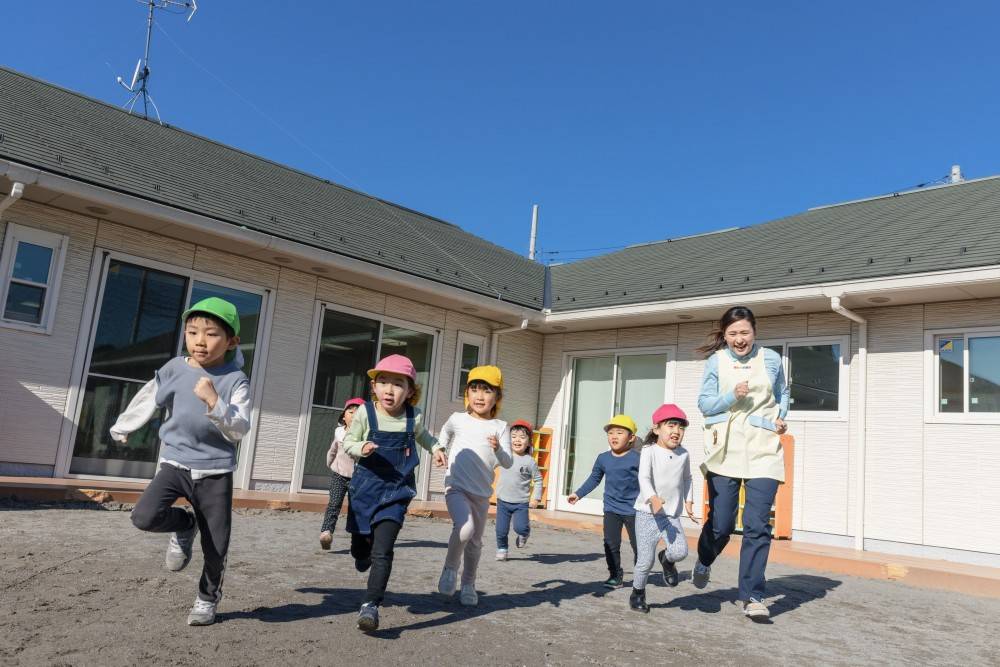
(495, 339)
(859, 500)
(16, 192)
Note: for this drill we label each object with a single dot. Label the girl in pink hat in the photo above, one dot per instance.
(383, 439)
(341, 469)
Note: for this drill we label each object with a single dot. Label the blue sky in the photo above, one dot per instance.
(626, 122)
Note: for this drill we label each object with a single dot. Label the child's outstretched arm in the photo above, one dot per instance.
(647, 490)
(536, 482)
(503, 453)
(430, 443)
(688, 491)
(589, 484)
(233, 418)
(140, 410)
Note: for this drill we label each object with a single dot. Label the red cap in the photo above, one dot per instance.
(522, 424)
(669, 411)
(354, 401)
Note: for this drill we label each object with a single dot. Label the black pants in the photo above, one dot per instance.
(338, 489)
(212, 501)
(378, 545)
(613, 524)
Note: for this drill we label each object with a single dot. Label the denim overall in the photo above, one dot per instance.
(384, 482)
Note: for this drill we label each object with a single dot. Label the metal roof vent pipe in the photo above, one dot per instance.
(956, 174)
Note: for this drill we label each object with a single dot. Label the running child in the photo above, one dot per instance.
(619, 467)
(477, 443)
(207, 399)
(664, 486)
(521, 481)
(383, 439)
(341, 469)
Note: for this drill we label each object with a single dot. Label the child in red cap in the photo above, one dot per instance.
(514, 488)
(664, 489)
(341, 469)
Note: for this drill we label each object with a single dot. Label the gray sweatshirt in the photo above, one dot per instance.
(515, 481)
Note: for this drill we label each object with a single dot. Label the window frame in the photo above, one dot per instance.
(14, 235)
(465, 338)
(842, 413)
(932, 377)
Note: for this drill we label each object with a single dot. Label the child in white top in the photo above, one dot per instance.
(341, 469)
(664, 489)
(477, 443)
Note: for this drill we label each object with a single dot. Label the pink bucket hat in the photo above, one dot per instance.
(669, 411)
(396, 364)
(354, 401)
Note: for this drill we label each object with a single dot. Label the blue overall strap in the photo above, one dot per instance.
(410, 425)
(372, 419)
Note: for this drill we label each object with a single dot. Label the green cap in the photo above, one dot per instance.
(220, 308)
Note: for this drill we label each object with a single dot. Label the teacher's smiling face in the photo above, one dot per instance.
(740, 336)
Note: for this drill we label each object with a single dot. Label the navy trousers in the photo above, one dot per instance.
(507, 511)
(723, 499)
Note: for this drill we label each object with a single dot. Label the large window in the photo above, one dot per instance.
(967, 370)
(816, 375)
(349, 345)
(138, 329)
(30, 269)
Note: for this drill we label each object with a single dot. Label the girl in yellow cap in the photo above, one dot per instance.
(477, 443)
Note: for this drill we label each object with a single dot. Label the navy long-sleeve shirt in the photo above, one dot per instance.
(621, 481)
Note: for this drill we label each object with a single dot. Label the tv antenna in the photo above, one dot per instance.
(139, 86)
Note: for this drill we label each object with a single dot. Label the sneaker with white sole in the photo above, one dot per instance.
(368, 617)
(202, 613)
(700, 575)
(179, 548)
(501, 554)
(448, 581)
(469, 597)
(325, 540)
(521, 541)
(756, 610)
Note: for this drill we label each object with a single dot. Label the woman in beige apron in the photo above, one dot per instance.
(744, 399)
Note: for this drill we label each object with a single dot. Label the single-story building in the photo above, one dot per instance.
(886, 311)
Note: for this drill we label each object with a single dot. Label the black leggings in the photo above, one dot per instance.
(338, 489)
(613, 524)
(212, 501)
(378, 546)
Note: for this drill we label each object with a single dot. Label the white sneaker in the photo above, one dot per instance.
(202, 613)
(469, 597)
(448, 581)
(756, 610)
(179, 548)
(501, 554)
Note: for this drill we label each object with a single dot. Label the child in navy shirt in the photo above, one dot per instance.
(619, 467)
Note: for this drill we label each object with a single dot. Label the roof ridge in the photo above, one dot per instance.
(903, 193)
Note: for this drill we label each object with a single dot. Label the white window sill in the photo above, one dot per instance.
(986, 418)
(816, 417)
(24, 326)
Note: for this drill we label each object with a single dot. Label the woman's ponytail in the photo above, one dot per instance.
(717, 339)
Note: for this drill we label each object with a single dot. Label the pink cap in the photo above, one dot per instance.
(354, 401)
(395, 363)
(669, 411)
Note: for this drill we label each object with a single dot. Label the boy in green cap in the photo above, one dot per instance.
(207, 398)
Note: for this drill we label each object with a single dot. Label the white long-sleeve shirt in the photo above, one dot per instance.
(665, 473)
(471, 459)
(232, 419)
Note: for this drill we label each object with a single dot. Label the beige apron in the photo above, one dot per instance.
(743, 442)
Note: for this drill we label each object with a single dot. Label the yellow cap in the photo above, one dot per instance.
(492, 376)
(623, 421)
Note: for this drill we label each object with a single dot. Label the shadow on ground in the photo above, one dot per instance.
(784, 594)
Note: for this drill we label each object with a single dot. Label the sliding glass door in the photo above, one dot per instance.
(138, 329)
(349, 345)
(602, 385)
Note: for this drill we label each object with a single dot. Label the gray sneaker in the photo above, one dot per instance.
(700, 575)
(202, 613)
(179, 549)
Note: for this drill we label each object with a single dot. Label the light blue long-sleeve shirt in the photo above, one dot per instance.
(711, 402)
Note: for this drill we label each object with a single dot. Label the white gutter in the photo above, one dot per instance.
(16, 192)
(256, 240)
(495, 339)
(859, 492)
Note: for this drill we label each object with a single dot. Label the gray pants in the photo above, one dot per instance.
(468, 516)
(649, 529)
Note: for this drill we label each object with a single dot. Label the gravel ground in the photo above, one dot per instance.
(79, 586)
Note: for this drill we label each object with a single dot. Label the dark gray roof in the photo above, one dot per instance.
(60, 131)
(949, 227)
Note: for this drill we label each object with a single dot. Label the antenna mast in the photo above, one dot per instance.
(139, 87)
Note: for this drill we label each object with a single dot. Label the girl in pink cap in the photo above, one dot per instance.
(341, 469)
(665, 490)
(383, 439)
